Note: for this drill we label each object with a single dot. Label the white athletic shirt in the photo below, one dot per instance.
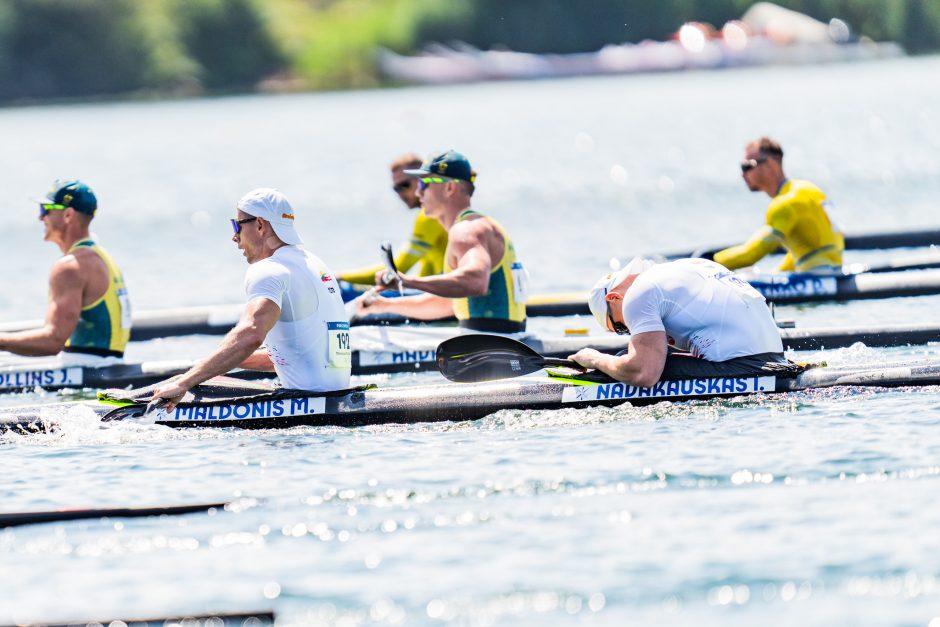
(309, 344)
(703, 308)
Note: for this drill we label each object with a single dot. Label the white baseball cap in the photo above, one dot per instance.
(273, 206)
(597, 301)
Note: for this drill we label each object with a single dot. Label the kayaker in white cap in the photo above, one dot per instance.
(716, 324)
(294, 307)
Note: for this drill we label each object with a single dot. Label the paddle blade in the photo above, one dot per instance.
(479, 357)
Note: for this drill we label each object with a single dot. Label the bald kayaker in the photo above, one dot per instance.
(88, 318)
(687, 318)
(294, 308)
(483, 283)
(798, 218)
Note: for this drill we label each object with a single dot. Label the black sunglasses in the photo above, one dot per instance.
(237, 224)
(400, 187)
(749, 164)
(618, 327)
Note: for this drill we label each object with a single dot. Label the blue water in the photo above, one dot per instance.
(813, 508)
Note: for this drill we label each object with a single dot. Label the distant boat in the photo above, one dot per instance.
(765, 35)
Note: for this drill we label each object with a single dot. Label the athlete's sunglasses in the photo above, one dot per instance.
(237, 224)
(400, 187)
(427, 180)
(618, 327)
(749, 164)
(46, 207)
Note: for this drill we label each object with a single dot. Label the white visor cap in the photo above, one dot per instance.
(273, 206)
(597, 301)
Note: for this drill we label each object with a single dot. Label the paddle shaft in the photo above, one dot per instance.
(392, 269)
(30, 518)
(871, 241)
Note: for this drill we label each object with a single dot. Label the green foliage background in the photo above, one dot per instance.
(93, 48)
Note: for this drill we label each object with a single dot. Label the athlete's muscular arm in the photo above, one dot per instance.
(420, 307)
(642, 365)
(764, 242)
(66, 286)
(470, 247)
(470, 277)
(237, 347)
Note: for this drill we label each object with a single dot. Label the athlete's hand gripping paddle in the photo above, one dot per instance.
(391, 270)
(480, 357)
(390, 275)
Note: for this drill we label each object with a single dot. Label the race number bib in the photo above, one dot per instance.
(339, 352)
(520, 282)
(125, 302)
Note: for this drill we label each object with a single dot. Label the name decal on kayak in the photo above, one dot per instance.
(669, 389)
(384, 358)
(797, 285)
(32, 378)
(260, 410)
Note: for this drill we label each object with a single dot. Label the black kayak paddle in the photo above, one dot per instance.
(481, 357)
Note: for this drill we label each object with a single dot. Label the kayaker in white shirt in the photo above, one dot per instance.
(294, 308)
(716, 324)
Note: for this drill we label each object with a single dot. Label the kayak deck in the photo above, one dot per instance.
(260, 406)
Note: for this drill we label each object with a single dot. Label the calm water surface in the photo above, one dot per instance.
(814, 508)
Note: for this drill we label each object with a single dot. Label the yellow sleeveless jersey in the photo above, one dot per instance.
(426, 247)
(797, 219)
(502, 308)
(104, 326)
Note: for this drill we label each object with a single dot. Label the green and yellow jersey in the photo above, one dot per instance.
(104, 326)
(426, 247)
(502, 308)
(797, 220)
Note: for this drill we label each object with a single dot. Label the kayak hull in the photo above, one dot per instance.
(261, 406)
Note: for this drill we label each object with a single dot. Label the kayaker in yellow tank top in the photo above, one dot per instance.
(484, 283)
(798, 218)
(428, 239)
(89, 310)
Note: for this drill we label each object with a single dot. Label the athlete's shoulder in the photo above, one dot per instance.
(68, 264)
(469, 222)
(800, 185)
(651, 280)
(265, 269)
(680, 274)
(683, 266)
(796, 190)
(82, 259)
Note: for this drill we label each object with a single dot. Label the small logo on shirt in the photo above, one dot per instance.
(326, 278)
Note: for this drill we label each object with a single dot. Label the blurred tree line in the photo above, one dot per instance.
(82, 48)
(589, 25)
(88, 48)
